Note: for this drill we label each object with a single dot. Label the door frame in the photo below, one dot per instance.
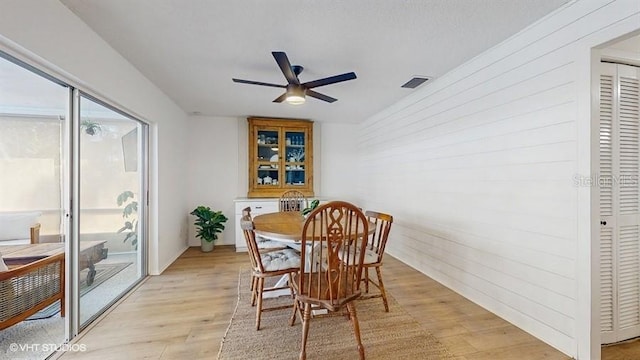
(588, 264)
(76, 326)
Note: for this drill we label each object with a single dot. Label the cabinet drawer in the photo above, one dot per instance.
(264, 208)
(257, 207)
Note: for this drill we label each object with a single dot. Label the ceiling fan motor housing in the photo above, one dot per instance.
(297, 69)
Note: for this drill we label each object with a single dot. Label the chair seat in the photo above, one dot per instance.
(268, 244)
(280, 260)
(370, 256)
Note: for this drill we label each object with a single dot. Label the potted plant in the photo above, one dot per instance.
(208, 224)
(306, 211)
(129, 213)
(90, 127)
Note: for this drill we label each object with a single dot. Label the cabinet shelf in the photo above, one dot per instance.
(272, 143)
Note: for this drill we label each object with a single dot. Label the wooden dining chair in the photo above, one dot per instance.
(292, 200)
(264, 245)
(267, 265)
(331, 267)
(374, 252)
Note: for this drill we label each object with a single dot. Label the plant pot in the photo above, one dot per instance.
(206, 246)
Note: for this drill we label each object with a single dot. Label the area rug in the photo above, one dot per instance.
(392, 335)
(104, 272)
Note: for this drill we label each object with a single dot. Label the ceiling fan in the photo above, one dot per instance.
(296, 91)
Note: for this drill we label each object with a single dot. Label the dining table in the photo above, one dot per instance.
(283, 226)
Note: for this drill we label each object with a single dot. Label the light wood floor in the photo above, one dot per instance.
(184, 313)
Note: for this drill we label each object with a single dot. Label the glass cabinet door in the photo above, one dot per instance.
(268, 153)
(295, 143)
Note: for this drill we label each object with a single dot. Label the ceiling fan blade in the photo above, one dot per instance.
(258, 83)
(317, 95)
(285, 66)
(330, 80)
(280, 98)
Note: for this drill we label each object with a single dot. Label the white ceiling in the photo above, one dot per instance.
(191, 49)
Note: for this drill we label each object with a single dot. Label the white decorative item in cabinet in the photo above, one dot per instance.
(258, 206)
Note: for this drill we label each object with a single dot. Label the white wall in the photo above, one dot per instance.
(46, 34)
(336, 173)
(478, 170)
(213, 170)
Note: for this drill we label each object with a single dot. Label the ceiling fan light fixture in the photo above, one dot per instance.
(295, 95)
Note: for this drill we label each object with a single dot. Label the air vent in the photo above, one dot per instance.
(415, 82)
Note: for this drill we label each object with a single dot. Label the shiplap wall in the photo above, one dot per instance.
(479, 170)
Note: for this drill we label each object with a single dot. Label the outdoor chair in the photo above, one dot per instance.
(20, 228)
(29, 285)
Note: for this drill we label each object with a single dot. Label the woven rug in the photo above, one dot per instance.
(104, 272)
(392, 335)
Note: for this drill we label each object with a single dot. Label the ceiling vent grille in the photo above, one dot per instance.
(415, 82)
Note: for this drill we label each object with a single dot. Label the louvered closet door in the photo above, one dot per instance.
(619, 202)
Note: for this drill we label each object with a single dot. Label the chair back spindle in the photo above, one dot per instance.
(292, 200)
(378, 239)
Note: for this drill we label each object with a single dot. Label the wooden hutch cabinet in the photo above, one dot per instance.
(280, 157)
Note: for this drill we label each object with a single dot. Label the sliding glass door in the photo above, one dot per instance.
(111, 215)
(33, 113)
(73, 186)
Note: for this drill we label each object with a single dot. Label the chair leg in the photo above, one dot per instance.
(259, 307)
(254, 290)
(366, 280)
(383, 292)
(356, 328)
(292, 320)
(305, 330)
(291, 285)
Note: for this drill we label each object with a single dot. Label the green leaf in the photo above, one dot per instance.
(208, 222)
(124, 196)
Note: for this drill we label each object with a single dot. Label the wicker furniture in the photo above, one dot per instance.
(265, 265)
(331, 266)
(91, 253)
(30, 285)
(34, 233)
(19, 228)
(292, 200)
